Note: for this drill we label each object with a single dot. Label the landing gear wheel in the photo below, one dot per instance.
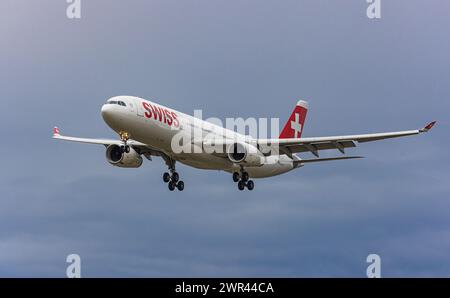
(250, 185)
(175, 177)
(180, 185)
(127, 149)
(172, 178)
(236, 177)
(166, 177)
(241, 185)
(245, 176)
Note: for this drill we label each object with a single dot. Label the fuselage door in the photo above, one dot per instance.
(131, 105)
(139, 110)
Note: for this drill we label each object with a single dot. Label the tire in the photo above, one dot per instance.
(250, 184)
(171, 186)
(241, 185)
(122, 149)
(175, 177)
(236, 177)
(245, 176)
(166, 177)
(127, 149)
(180, 185)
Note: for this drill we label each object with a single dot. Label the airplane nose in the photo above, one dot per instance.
(104, 109)
(107, 112)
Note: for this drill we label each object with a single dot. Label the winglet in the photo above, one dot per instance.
(56, 132)
(428, 127)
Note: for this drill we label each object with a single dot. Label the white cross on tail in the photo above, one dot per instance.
(296, 126)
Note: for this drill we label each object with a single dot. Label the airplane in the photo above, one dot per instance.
(147, 129)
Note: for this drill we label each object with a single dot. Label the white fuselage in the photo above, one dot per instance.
(156, 125)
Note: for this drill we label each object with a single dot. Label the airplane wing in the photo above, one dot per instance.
(314, 145)
(143, 148)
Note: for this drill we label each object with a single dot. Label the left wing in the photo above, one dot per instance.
(314, 145)
(142, 148)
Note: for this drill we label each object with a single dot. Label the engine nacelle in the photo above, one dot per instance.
(245, 154)
(115, 157)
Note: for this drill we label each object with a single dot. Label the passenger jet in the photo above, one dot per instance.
(147, 129)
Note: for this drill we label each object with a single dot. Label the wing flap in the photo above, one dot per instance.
(321, 146)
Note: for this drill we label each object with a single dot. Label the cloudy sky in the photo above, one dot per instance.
(230, 58)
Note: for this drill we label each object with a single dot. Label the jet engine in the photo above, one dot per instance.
(245, 154)
(118, 158)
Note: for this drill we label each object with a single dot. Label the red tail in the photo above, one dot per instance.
(294, 126)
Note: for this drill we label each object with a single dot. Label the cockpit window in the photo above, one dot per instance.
(115, 102)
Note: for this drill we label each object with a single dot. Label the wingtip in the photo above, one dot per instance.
(428, 126)
(56, 131)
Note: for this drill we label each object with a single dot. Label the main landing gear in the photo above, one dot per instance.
(173, 181)
(242, 180)
(124, 136)
(173, 178)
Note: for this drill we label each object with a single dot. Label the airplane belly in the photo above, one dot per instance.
(203, 161)
(274, 165)
(269, 170)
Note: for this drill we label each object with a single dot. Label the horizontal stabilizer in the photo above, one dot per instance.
(297, 162)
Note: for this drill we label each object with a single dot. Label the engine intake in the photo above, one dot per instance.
(245, 154)
(115, 157)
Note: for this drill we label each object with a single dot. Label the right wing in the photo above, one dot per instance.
(314, 145)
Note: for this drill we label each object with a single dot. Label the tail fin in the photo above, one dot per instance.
(294, 126)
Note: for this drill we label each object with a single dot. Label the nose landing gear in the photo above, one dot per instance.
(124, 136)
(242, 180)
